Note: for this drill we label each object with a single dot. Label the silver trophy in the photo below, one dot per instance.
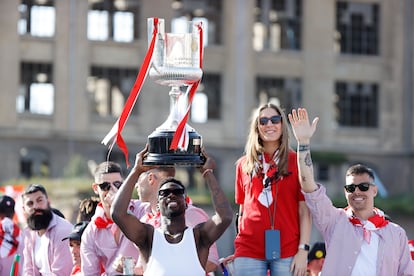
(175, 63)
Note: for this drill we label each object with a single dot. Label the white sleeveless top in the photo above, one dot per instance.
(174, 258)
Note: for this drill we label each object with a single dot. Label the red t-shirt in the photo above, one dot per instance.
(250, 241)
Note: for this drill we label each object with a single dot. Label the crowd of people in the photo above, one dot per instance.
(163, 233)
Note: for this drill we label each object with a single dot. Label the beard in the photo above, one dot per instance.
(40, 221)
(174, 213)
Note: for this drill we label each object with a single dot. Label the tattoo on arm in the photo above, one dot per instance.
(218, 197)
(308, 160)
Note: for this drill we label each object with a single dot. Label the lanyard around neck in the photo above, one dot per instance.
(272, 215)
(267, 182)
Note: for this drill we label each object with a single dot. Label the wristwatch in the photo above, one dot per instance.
(304, 246)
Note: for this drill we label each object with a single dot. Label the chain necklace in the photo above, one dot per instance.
(174, 236)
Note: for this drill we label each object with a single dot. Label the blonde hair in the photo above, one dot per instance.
(254, 144)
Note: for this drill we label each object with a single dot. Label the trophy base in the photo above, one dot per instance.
(159, 152)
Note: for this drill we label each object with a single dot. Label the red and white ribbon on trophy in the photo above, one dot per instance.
(180, 139)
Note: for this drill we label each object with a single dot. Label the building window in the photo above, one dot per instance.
(357, 28)
(207, 11)
(113, 19)
(207, 100)
(36, 92)
(37, 18)
(109, 89)
(34, 162)
(286, 93)
(199, 108)
(357, 104)
(277, 25)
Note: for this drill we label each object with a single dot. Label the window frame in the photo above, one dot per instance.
(114, 76)
(25, 24)
(354, 107)
(112, 9)
(354, 38)
(34, 73)
(282, 15)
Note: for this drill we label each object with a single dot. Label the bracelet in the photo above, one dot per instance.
(304, 246)
(206, 171)
(304, 147)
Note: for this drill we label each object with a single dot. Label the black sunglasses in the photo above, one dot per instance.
(167, 192)
(106, 186)
(363, 187)
(274, 119)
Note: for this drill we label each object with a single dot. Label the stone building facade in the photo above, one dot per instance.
(67, 68)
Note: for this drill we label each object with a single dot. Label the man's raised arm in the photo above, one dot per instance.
(130, 225)
(223, 216)
(303, 132)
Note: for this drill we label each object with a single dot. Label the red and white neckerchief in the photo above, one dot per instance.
(9, 237)
(374, 223)
(153, 219)
(76, 270)
(269, 169)
(102, 221)
(411, 246)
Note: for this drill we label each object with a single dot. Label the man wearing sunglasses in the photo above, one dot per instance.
(173, 248)
(103, 244)
(359, 240)
(147, 189)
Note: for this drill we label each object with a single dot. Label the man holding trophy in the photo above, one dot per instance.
(174, 60)
(165, 248)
